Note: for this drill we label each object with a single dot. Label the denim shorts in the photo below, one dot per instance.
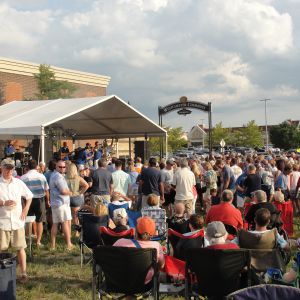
(76, 201)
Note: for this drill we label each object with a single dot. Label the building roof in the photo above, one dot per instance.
(29, 69)
(96, 117)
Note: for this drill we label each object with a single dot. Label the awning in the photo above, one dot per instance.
(97, 117)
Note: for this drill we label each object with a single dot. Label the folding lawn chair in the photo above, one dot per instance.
(159, 216)
(112, 207)
(266, 291)
(89, 234)
(175, 237)
(109, 237)
(123, 270)
(218, 272)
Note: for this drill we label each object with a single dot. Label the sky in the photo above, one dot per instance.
(231, 53)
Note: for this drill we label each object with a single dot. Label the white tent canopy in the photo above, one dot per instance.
(97, 117)
(107, 116)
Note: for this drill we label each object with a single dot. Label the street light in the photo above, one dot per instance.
(266, 122)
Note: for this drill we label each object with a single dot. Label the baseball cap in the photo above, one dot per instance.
(170, 161)
(8, 163)
(119, 213)
(145, 225)
(215, 229)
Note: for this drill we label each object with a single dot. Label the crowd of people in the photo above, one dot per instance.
(209, 195)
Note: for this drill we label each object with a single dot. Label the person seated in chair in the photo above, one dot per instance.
(178, 221)
(196, 223)
(145, 229)
(120, 219)
(260, 199)
(261, 237)
(216, 236)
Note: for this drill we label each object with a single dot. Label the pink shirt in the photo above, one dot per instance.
(144, 244)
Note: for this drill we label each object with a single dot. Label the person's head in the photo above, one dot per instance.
(233, 161)
(251, 169)
(216, 233)
(32, 164)
(72, 171)
(162, 165)
(42, 167)
(131, 167)
(118, 164)
(120, 217)
(7, 168)
(262, 217)
(184, 163)
(295, 167)
(278, 196)
(52, 165)
(145, 228)
(61, 166)
(227, 196)
(152, 200)
(138, 160)
(101, 210)
(213, 192)
(152, 162)
(65, 144)
(115, 197)
(179, 209)
(288, 169)
(196, 222)
(259, 196)
(102, 163)
(170, 163)
(207, 166)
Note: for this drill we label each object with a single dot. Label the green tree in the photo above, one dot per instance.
(237, 138)
(175, 140)
(49, 87)
(219, 133)
(252, 135)
(285, 135)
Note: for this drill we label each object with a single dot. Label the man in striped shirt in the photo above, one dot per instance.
(38, 185)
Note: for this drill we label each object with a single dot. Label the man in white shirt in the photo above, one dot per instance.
(183, 181)
(237, 171)
(12, 215)
(121, 180)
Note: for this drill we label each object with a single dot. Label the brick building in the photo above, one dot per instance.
(17, 81)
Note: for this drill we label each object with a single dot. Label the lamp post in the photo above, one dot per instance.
(266, 123)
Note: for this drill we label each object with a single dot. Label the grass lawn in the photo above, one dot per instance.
(57, 274)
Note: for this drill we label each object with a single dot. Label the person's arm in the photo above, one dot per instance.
(47, 197)
(25, 209)
(240, 220)
(162, 192)
(226, 178)
(83, 185)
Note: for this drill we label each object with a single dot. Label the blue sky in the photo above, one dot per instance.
(232, 53)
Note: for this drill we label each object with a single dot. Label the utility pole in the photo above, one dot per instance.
(266, 123)
(202, 133)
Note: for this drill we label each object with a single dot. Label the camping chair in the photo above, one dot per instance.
(159, 216)
(112, 207)
(174, 237)
(109, 237)
(132, 217)
(123, 270)
(89, 234)
(266, 291)
(218, 272)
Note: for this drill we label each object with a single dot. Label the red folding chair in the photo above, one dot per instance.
(109, 237)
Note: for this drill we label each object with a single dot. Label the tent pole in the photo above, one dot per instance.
(43, 144)
(167, 146)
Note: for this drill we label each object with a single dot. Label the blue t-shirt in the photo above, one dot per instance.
(240, 181)
(227, 173)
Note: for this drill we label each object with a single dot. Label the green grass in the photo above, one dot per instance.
(56, 275)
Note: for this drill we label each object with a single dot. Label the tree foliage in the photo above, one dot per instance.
(249, 135)
(49, 87)
(285, 136)
(175, 140)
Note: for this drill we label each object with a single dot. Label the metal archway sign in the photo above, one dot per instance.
(183, 108)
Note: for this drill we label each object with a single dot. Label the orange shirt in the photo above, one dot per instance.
(226, 213)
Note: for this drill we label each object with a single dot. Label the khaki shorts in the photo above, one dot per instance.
(13, 238)
(61, 214)
(188, 204)
(95, 199)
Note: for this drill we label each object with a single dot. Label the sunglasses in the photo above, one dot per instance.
(62, 167)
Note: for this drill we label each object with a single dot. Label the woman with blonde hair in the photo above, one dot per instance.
(77, 186)
(198, 174)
